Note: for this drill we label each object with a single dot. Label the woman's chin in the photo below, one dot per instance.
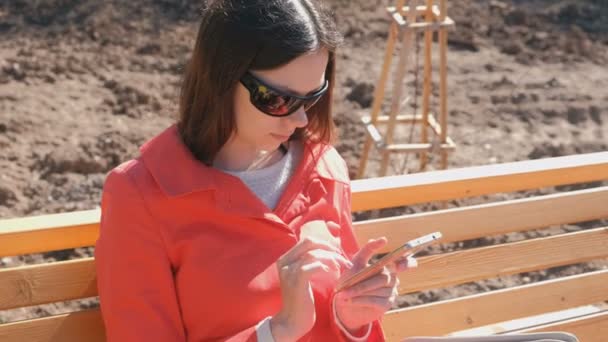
(270, 145)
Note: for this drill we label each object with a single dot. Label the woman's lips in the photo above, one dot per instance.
(280, 137)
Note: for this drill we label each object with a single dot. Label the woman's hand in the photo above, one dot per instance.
(297, 267)
(369, 299)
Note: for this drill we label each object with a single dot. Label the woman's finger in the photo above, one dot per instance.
(374, 302)
(303, 246)
(340, 259)
(327, 257)
(385, 292)
(382, 279)
(365, 253)
(303, 270)
(331, 260)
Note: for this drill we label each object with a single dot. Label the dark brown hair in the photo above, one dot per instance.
(239, 35)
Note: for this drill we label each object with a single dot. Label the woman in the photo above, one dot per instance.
(235, 224)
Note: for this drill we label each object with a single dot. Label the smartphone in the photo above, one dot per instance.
(409, 248)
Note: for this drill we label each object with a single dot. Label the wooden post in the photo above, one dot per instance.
(379, 91)
(426, 92)
(443, 86)
(435, 19)
(405, 52)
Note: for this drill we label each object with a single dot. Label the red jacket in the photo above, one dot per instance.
(188, 253)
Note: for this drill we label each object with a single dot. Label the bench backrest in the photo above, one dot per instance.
(74, 279)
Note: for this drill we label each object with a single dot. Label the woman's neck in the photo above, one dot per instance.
(242, 157)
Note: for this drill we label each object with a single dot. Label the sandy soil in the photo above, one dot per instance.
(84, 82)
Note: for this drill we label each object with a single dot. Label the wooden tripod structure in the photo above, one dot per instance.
(405, 23)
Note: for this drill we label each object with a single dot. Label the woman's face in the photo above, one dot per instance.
(260, 131)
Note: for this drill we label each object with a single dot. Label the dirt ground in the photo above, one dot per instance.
(83, 83)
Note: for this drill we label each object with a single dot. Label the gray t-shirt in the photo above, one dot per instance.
(269, 183)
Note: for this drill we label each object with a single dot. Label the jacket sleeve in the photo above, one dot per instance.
(350, 248)
(134, 275)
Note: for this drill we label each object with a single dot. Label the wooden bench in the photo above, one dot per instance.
(583, 296)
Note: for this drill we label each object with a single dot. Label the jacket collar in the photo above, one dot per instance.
(178, 172)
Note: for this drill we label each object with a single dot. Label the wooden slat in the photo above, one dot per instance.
(78, 229)
(73, 327)
(438, 130)
(392, 191)
(47, 283)
(420, 10)
(421, 26)
(408, 148)
(473, 222)
(45, 233)
(403, 118)
(477, 310)
(515, 325)
(481, 263)
(592, 328)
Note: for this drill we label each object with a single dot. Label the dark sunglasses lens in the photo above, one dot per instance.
(272, 103)
(275, 103)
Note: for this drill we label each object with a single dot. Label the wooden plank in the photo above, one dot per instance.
(430, 121)
(460, 267)
(45, 233)
(477, 221)
(420, 9)
(420, 147)
(47, 283)
(432, 21)
(73, 327)
(443, 81)
(422, 26)
(402, 67)
(426, 89)
(482, 309)
(437, 128)
(392, 191)
(592, 328)
(528, 322)
(447, 20)
(403, 118)
(379, 91)
(374, 134)
(77, 229)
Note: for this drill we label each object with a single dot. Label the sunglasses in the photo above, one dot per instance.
(275, 102)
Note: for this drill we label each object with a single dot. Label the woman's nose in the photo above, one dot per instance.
(299, 119)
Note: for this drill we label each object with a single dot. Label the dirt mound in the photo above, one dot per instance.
(545, 31)
(107, 21)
